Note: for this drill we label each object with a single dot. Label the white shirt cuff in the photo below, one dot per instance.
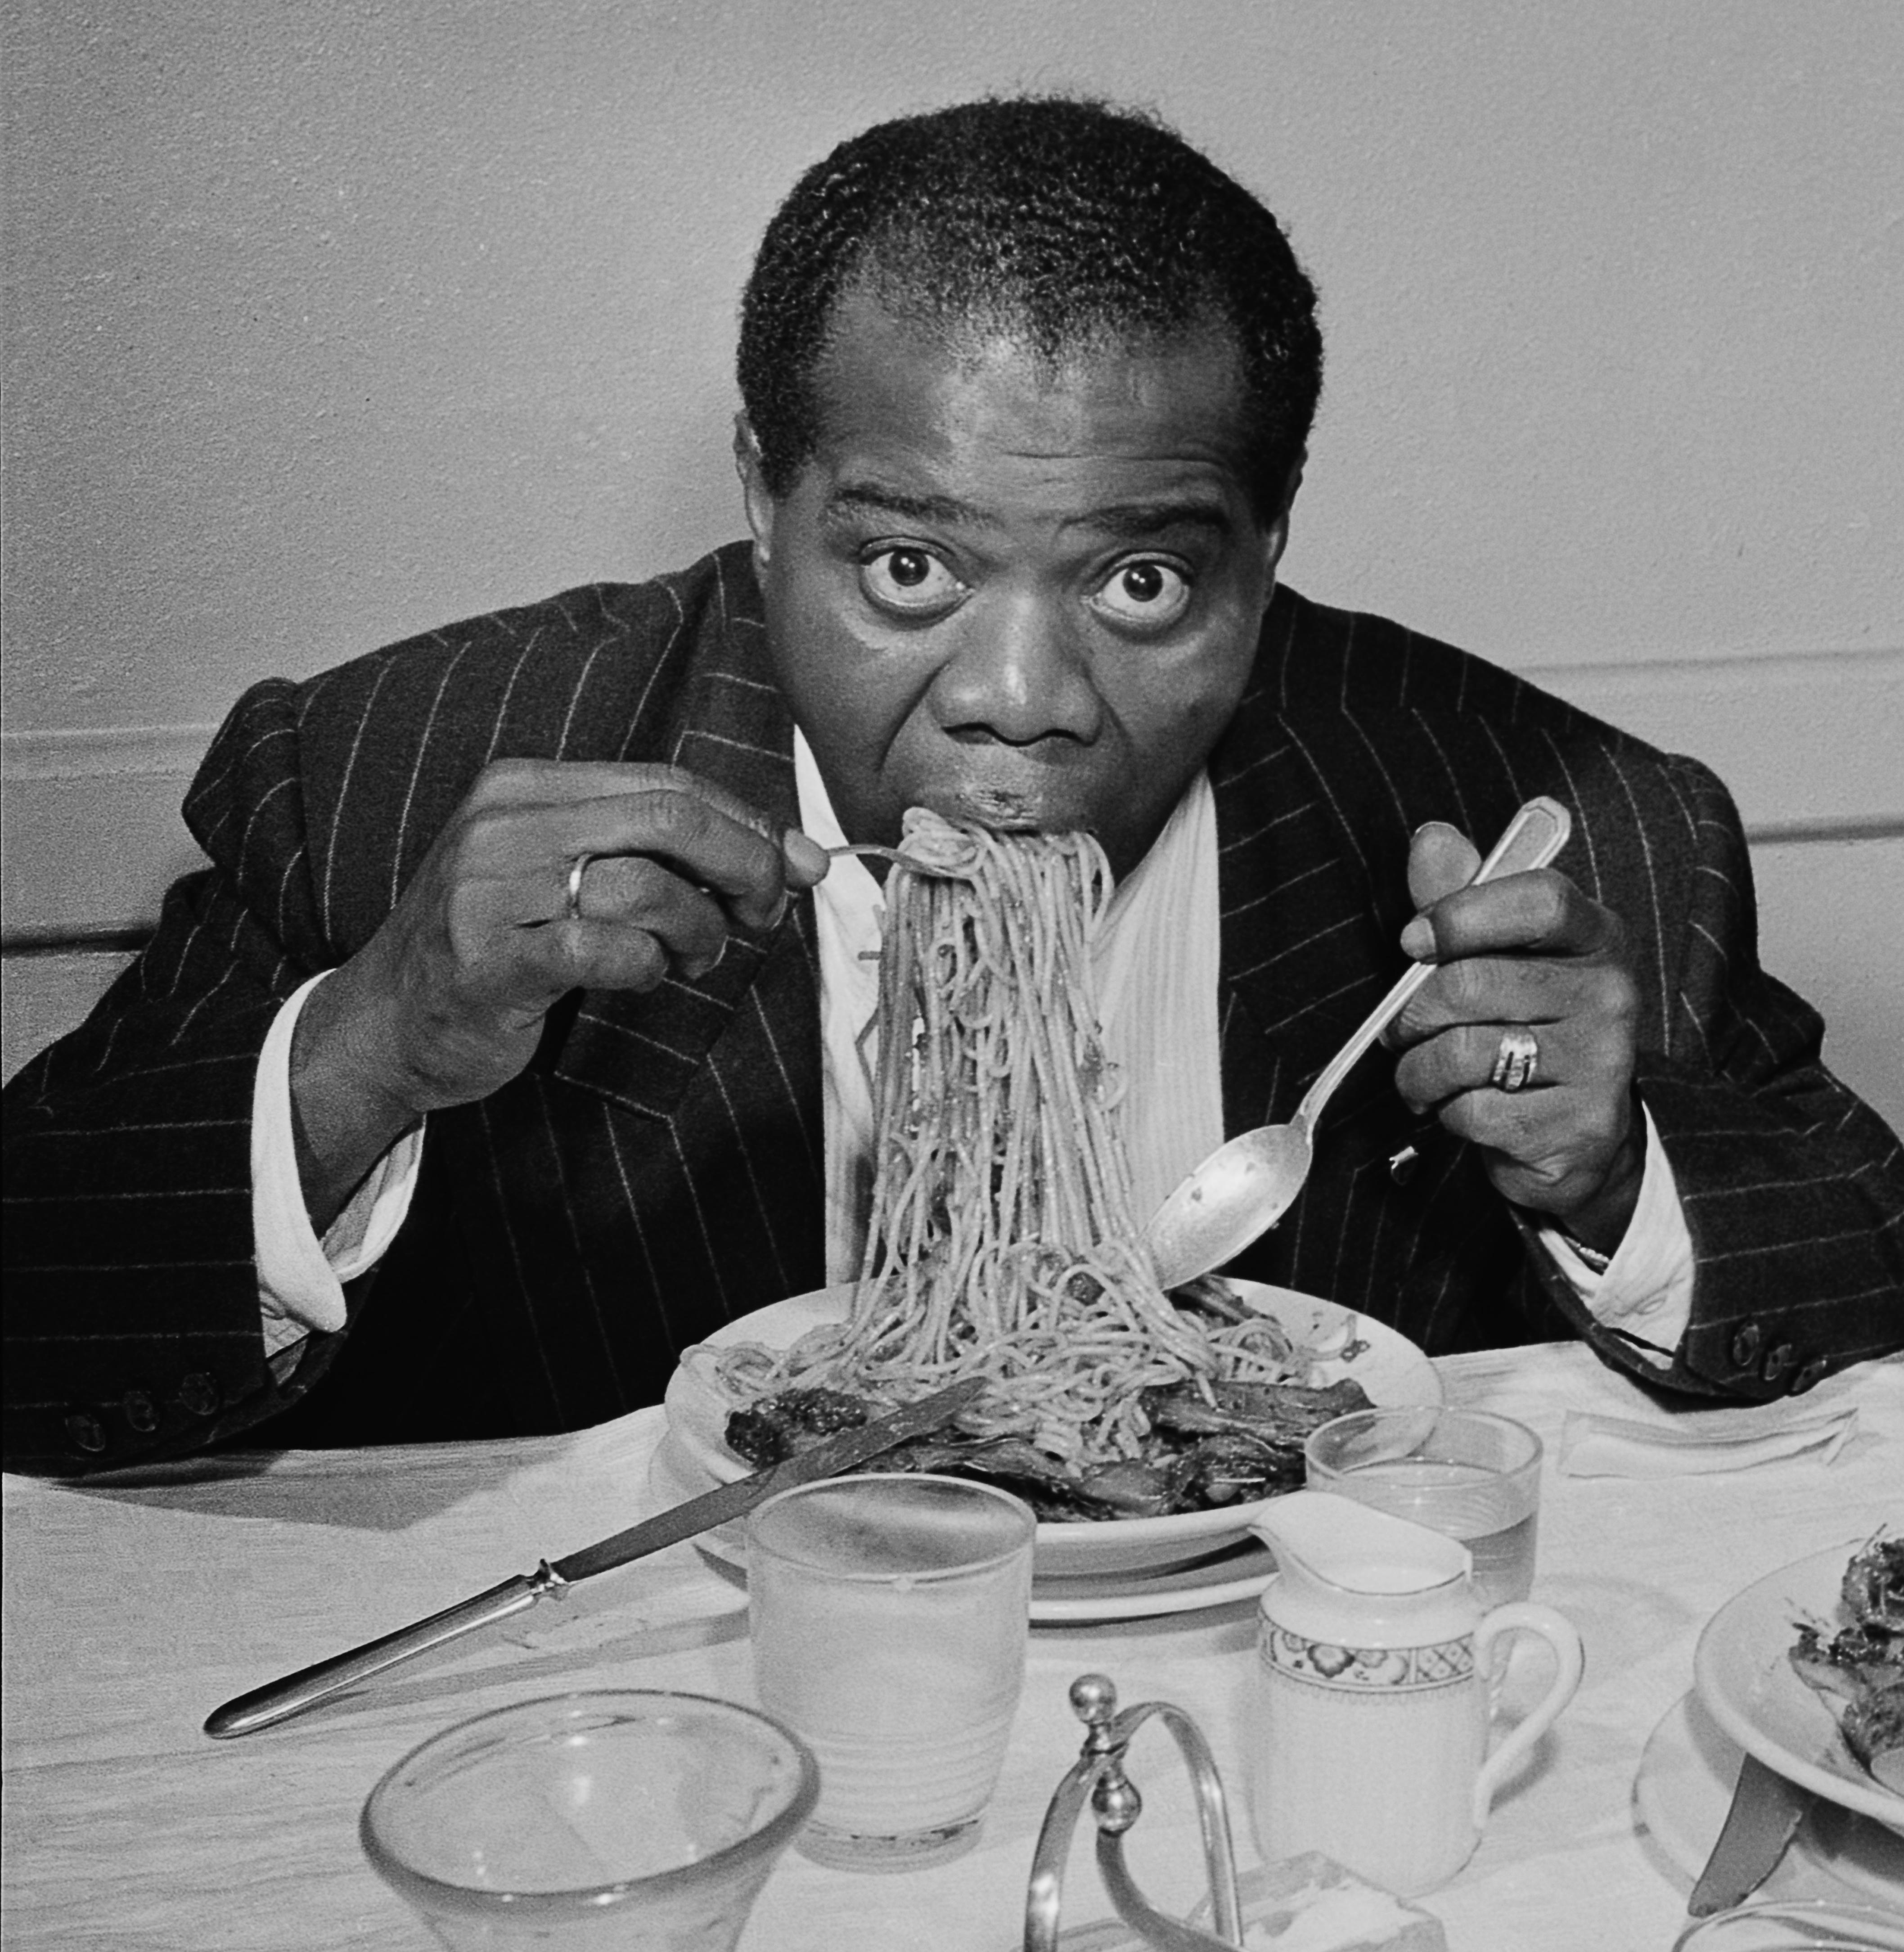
(301, 1280)
(1644, 1292)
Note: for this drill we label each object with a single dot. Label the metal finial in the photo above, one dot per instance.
(1115, 1803)
(1094, 1698)
(1097, 1777)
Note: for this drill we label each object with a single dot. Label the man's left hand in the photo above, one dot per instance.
(1531, 953)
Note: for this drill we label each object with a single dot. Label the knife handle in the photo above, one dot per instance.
(280, 1699)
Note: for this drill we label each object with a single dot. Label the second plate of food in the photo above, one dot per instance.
(1743, 1673)
(1388, 1367)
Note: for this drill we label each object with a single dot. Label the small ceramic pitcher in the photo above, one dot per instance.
(1371, 1700)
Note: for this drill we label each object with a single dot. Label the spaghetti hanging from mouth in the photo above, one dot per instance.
(1003, 1240)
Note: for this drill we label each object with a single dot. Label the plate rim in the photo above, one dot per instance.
(1051, 1610)
(1834, 1786)
(1822, 1858)
(1132, 1534)
(1109, 1604)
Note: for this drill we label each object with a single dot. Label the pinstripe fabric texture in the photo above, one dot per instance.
(657, 1169)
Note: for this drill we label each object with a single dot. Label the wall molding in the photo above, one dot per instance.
(93, 832)
(164, 752)
(30, 945)
(1760, 667)
(1829, 830)
(1808, 742)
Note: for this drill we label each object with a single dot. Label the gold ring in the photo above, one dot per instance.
(1516, 1062)
(577, 870)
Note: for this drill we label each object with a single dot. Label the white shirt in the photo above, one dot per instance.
(1155, 962)
(300, 1280)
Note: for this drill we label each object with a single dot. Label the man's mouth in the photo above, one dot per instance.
(1011, 810)
(1011, 793)
(991, 806)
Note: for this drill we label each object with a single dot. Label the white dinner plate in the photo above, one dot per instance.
(1744, 1676)
(1388, 1365)
(1684, 1788)
(1241, 1573)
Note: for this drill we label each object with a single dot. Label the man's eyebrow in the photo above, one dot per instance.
(874, 498)
(1133, 521)
(1128, 521)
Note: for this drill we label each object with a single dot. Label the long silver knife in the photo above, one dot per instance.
(280, 1700)
(1766, 1809)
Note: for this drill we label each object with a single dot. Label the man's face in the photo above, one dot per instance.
(1015, 594)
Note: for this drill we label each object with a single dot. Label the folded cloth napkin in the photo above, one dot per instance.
(1592, 1446)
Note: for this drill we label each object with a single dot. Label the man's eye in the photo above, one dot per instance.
(909, 579)
(1150, 594)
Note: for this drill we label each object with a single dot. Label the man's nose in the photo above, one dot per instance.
(1019, 674)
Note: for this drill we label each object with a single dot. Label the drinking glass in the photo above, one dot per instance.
(889, 1615)
(1464, 1473)
(588, 1822)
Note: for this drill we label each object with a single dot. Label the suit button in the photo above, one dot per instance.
(141, 1411)
(199, 1393)
(1812, 1373)
(86, 1432)
(1778, 1363)
(1745, 1345)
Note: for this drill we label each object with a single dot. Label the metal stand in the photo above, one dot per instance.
(1098, 1775)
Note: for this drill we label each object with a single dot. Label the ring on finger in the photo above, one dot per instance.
(577, 868)
(1516, 1060)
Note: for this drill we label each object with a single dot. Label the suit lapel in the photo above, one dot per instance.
(643, 1050)
(665, 1160)
(1308, 929)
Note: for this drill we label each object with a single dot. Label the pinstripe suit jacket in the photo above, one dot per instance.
(656, 1171)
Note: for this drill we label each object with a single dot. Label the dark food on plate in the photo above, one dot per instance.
(781, 1426)
(1241, 1441)
(1860, 1667)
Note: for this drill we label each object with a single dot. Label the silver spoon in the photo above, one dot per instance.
(1246, 1185)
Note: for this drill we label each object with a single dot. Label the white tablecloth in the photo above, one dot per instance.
(134, 1608)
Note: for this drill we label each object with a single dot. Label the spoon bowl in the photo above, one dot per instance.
(1240, 1191)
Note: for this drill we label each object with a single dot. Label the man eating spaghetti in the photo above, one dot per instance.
(515, 1038)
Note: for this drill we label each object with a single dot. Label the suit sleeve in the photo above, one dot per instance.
(1791, 1188)
(131, 1311)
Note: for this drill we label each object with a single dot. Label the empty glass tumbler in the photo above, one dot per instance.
(615, 1819)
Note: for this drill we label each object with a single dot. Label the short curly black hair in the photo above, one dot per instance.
(1066, 223)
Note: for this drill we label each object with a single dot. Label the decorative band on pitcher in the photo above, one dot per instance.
(1325, 1664)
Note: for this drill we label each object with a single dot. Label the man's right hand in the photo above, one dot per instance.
(445, 1002)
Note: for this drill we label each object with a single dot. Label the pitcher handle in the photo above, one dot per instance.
(1520, 1616)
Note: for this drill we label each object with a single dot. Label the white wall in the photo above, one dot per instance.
(328, 321)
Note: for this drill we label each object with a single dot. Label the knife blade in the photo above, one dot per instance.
(1766, 1809)
(278, 1700)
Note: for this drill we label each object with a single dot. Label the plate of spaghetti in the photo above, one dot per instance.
(1002, 1240)
(1388, 1368)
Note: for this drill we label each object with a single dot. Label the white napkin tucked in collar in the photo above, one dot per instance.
(1592, 1446)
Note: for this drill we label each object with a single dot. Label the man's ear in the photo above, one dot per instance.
(753, 490)
(1276, 537)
